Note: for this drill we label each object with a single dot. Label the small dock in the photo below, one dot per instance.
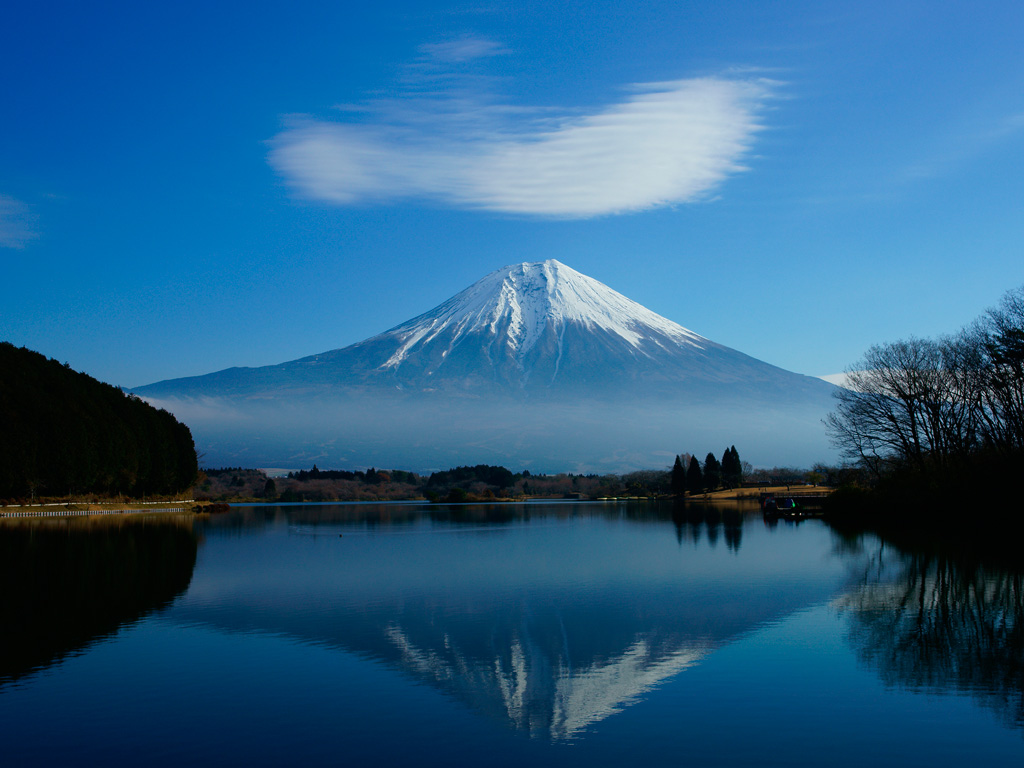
(806, 501)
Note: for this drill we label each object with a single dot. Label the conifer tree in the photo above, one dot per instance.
(678, 477)
(732, 469)
(712, 472)
(694, 477)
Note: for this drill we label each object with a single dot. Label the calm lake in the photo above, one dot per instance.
(587, 634)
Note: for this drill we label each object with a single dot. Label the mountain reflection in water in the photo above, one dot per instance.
(549, 618)
(929, 620)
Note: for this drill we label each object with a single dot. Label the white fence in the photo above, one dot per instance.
(85, 512)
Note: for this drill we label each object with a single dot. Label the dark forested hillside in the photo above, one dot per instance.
(63, 432)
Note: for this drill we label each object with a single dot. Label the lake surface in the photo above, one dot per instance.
(591, 634)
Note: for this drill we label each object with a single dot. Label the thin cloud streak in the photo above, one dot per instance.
(463, 49)
(956, 148)
(666, 143)
(16, 223)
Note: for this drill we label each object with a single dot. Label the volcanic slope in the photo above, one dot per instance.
(538, 345)
(528, 329)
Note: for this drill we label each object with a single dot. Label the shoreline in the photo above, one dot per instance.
(84, 509)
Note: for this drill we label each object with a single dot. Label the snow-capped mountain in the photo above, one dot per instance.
(533, 349)
(515, 322)
(537, 328)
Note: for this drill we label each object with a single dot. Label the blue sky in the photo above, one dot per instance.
(187, 187)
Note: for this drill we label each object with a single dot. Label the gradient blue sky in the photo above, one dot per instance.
(190, 186)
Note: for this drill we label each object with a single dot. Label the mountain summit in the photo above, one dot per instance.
(519, 317)
(505, 368)
(539, 328)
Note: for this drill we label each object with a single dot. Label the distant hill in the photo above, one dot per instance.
(535, 365)
(63, 432)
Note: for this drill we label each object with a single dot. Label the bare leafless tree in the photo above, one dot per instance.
(924, 403)
(1002, 335)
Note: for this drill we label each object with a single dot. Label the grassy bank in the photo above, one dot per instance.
(753, 494)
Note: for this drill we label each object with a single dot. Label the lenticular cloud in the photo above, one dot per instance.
(667, 143)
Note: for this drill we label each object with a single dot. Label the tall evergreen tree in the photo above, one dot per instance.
(732, 469)
(712, 472)
(694, 477)
(678, 477)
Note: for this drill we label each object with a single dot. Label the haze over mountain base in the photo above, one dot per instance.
(442, 432)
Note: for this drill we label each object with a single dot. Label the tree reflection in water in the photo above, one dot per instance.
(933, 622)
(71, 582)
(694, 519)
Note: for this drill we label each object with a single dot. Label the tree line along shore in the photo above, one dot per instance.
(483, 483)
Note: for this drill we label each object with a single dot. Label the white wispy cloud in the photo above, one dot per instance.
(662, 143)
(461, 49)
(16, 223)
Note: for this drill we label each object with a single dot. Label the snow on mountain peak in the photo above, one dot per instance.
(521, 301)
